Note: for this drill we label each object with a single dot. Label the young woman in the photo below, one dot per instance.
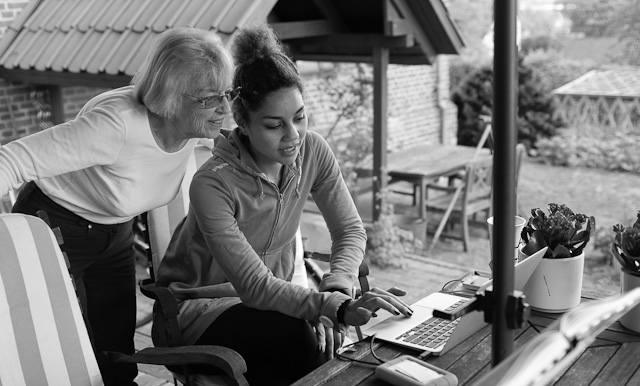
(246, 204)
(125, 153)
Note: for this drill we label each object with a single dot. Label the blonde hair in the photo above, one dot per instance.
(179, 60)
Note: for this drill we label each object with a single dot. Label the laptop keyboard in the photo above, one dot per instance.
(433, 332)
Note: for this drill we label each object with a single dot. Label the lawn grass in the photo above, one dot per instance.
(611, 197)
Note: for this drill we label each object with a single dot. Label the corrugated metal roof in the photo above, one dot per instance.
(105, 41)
(614, 83)
(112, 36)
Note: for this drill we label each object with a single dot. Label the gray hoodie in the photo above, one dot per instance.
(240, 229)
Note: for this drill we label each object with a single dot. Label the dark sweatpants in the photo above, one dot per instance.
(277, 348)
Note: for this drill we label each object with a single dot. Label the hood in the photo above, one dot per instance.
(232, 148)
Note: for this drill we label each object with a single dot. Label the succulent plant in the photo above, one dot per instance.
(565, 233)
(626, 246)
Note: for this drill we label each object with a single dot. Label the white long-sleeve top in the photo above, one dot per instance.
(104, 165)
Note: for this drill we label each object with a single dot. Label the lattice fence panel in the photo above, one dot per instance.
(606, 113)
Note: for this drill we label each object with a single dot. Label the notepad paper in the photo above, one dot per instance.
(416, 371)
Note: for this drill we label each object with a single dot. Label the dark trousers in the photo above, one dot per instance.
(102, 263)
(277, 348)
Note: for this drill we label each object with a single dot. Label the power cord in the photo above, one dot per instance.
(346, 358)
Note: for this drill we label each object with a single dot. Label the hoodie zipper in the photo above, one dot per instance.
(278, 212)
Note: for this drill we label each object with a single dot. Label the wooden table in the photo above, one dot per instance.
(422, 164)
(613, 359)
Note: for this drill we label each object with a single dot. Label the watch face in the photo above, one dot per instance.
(326, 321)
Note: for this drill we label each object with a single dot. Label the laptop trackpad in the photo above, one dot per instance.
(389, 326)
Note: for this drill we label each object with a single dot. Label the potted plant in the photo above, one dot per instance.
(556, 284)
(626, 249)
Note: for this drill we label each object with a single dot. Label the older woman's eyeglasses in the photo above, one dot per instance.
(215, 100)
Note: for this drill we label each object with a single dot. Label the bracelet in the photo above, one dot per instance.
(341, 311)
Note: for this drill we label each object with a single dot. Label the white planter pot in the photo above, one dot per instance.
(556, 284)
(631, 319)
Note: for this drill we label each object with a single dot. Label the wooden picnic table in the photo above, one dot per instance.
(422, 164)
(612, 359)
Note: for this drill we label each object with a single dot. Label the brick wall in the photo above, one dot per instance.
(75, 97)
(418, 100)
(9, 9)
(17, 113)
(14, 118)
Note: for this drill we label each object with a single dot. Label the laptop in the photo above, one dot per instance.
(422, 331)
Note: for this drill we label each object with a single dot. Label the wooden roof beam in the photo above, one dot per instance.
(357, 41)
(331, 13)
(53, 78)
(395, 24)
(303, 29)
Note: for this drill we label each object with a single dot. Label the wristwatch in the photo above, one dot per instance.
(327, 322)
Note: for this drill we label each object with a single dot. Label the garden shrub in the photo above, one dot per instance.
(536, 111)
(618, 151)
(554, 70)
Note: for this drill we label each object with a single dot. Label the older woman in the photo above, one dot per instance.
(125, 153)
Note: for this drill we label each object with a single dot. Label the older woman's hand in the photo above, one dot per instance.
(329, 340)
(359, 311)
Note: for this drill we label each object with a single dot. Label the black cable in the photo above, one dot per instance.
(346, 358)
(447, 284)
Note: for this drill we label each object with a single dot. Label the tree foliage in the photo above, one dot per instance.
(615, 18)
(350, 92)
(592, 17)
(474, 97)
(554, 70)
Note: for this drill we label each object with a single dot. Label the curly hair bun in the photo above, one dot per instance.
(256, 42)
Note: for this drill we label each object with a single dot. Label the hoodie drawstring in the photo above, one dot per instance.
(260, 187)
(298, 174)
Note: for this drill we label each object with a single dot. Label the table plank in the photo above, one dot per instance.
(588, 366)
(621, 367)
(447, 360)
(610, 360)
(422, 164)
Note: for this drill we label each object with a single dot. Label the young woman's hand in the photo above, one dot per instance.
(359, 311)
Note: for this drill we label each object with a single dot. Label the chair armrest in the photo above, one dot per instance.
(226, 359)
(166, 330)
(163, 296)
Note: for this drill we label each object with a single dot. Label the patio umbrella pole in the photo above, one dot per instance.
(504, 125)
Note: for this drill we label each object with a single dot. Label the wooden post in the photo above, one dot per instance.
(505, 94)
(380, 93)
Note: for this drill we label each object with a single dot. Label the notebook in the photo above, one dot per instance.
(422, 331)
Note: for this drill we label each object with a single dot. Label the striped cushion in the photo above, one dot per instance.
(43, 338)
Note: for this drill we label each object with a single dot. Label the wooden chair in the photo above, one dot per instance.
(44, 339)
(464, 200)
(404, 188)
(487, 135)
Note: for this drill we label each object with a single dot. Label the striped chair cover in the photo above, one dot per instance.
(43, 338)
